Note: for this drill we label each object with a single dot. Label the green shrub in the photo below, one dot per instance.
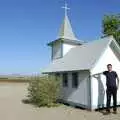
(44, 91)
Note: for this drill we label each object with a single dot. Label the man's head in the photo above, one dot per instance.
(109, 67)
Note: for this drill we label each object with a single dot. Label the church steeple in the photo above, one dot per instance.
(66, 39)
(66, 31)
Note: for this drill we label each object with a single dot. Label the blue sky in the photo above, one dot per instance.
(26, 26)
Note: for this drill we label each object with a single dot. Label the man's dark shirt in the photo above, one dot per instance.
(110, 78)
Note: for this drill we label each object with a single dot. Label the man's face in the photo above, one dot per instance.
(109, 67)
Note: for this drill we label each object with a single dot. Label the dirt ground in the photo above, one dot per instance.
(11, 107)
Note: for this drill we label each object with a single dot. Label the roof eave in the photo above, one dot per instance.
(65, 71)
(74, 42)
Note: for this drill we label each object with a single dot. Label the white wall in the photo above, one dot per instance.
(99, 83)
(66, 48)
(79, 95)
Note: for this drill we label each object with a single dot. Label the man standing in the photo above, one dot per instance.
(112, 87)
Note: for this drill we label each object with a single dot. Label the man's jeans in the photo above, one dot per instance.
(111, 91)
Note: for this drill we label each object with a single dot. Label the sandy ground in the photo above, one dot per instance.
(11, 107)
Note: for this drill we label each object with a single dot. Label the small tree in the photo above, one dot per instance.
(44, 91)
(111, 26)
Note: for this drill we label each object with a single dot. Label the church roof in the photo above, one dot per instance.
(66, 31)
(81, 57)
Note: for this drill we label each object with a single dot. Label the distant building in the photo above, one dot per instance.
(77, 62)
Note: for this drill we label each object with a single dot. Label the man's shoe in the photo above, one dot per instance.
(114, 112)
(107, 112)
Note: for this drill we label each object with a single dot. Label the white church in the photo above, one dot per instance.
(77, 62)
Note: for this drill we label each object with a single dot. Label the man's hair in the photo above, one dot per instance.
(109, 65)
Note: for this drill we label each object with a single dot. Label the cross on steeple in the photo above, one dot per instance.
(66, 31)
(66, 8)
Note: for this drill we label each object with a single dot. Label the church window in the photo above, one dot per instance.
(65, 80)
(75, 80)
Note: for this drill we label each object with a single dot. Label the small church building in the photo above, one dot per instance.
(77, 62)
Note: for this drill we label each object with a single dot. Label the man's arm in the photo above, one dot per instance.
(97, 75)
(118, 80)
(116, 75)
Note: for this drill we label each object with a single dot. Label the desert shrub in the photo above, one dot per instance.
(44, 91)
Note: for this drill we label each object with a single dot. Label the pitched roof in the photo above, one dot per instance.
(66, 31)
(81, 57)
